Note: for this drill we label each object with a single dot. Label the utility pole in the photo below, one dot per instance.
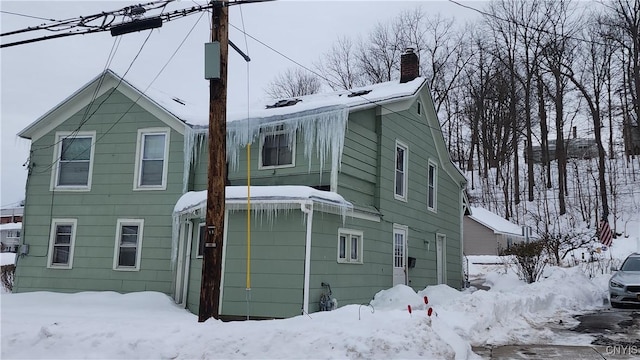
(217, 172)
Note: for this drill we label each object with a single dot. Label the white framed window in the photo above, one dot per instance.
(13, 234)
(73, 158)
(277, 149)
(401, 171)
(152, 154)
(350, 246)
(128, 248)
(62, 241)
(201, 240)
(432, 186)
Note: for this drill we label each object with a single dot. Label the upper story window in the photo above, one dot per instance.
(432, 186)
(13, 234)
(128, 244)
(350, 246)
(151, 159)
(61, 243)
(401, 171)
(73, 157)
(277, 149)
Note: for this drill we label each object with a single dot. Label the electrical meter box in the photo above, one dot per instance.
(212, 60)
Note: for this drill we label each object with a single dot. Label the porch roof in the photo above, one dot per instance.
(264, 197)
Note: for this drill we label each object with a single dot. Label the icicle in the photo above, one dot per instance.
(268, 208)
(194, 140)
(323, 128)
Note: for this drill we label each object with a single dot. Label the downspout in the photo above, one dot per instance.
(307, 208)
(179, 275)
(463, 259)
(187, 265)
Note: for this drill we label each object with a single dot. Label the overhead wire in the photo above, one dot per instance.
(515, 22)
(100, 81)
(370, 101)
(142, 92)
(107, 97)
(25, 15)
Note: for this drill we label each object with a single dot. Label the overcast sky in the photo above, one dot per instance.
(36, 77)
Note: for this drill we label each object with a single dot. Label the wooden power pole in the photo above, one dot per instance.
(217, 172)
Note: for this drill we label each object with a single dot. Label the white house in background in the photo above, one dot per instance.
(486, 233)
(10, 236)
(11, 214)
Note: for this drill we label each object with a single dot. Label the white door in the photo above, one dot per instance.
(441, 255)
(399, 255)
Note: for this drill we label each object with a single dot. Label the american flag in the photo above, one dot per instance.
(605, 234)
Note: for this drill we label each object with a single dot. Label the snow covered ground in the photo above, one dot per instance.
(149, 325)
(7, 258)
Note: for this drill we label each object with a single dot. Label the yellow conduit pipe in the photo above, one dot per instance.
(249, 216)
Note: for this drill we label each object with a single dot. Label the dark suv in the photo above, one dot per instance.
(624, 286)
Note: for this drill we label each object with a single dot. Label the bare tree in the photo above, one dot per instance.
(379, 57)
(623, 17)
(340, 65)
(292, 83)
(622, 25)
(557, 54)
(589, 77)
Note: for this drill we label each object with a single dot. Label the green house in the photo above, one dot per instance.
(351, 191)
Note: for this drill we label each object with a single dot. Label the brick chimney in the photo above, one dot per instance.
(409, 66)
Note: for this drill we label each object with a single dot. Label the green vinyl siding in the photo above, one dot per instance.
(414, 130)
(350, 283)
(277, 266)
(97, 211)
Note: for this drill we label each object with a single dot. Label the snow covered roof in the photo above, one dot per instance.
(263, 197)
(498, 224)
(160, 105)
(11, 226)
(13, 211)
(367, 96)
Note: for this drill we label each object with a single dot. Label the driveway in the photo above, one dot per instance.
(616, 334)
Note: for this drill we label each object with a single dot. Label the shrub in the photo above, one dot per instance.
(7, 272)
(529, 259)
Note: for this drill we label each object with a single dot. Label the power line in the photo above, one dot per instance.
(106, 20)
(25, 15)
(105, 99)
(120, 81)
(515, 22)
(438, 129)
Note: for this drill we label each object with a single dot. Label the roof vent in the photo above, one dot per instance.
(359, 93)
(178, 100)
(284, 103)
